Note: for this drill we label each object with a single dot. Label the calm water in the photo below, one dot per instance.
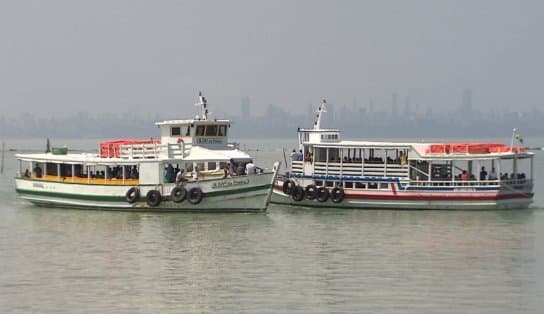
(288, 260)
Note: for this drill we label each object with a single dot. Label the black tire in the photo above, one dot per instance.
(322, 194)
(153, 198)
(289, 187)
(133, 194)
(298, 193)
(337, 195)
(195, 195)
(178, 194)
(311, 191)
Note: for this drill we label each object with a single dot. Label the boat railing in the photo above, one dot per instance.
(141, 151)
(154, 150)
(470, 183)
(362, 169)
(296, 166)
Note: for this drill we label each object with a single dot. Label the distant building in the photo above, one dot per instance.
(245, 108)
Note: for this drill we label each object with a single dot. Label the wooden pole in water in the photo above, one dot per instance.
(2, 161)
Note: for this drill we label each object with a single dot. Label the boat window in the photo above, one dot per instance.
(200, 166)
(373, 186)
(348, 185)
(188, 167)
(360, 185)
(200, 130)
(175, 131)
(211, 130)
(222, 165)
(212, 165)
(329, 184)
(318, 183)
(384, 186)
(188, 133)
(320, 154)
(222, 130)
(334, 155)
(51, 169)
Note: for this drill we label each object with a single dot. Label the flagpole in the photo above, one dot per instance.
(512, 142)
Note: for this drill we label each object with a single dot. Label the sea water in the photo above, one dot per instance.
(288, 260)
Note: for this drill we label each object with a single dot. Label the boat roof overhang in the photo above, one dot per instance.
(419, 148)
(191, 121)
(84, 158)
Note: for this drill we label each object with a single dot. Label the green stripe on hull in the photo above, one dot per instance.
(105, 198)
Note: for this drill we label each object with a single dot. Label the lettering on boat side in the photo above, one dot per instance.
(209, 140)
(464, 190)
(37, 185)
(228, 183)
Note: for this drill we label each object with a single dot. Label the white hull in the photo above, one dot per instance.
(236, 194)
(417, 200)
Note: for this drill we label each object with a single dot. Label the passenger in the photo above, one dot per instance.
(179, 176)
(464, 176)
(231, 165)
(226, 170)
(483, 174)
(310, 157)
(493, 174)
(300, 156)
(170, 176)
(134, 173)
(240, 169)
(26, 174)
(38, 171)
(196, 173)
(403, 158)
(251, 168)
(294, 155)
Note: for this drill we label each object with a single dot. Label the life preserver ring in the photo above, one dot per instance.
(132, 194)
(322, 194)
(337, 194)
(178, 194)
(298, 193)
(195, 195)
(311, 191)
(289, 187)
(153, 198)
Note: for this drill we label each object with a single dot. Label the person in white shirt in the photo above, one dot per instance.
(251, 168)
(179, 176)
(196, 173)
(493, 174)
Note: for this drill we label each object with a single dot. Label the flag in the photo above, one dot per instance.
(519, 138)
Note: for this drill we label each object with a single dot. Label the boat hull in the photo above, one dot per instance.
(417, 200)
(249, 193)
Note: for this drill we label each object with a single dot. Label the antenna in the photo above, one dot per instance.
(320, 110)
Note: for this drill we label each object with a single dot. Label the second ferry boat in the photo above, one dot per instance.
(329, 172)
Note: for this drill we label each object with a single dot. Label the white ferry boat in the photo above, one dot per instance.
(191, 168)
(329, 172)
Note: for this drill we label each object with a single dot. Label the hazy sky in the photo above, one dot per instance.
(154, 56)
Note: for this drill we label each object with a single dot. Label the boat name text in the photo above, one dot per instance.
(229, 183)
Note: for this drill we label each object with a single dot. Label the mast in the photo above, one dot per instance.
(202, 102)
(320, 110)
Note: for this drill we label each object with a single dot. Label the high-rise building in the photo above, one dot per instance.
(394, 105)
(245, 107)
(466, 107)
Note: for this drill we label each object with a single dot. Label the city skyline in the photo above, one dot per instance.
(396, 119)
